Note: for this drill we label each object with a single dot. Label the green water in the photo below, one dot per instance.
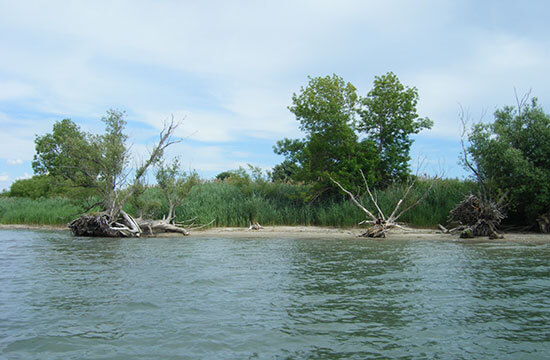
(63, 297)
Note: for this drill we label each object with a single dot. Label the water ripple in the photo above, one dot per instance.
(65, 297)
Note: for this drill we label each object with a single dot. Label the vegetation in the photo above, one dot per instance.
(233, 202)
(511, 156)
(346, 134)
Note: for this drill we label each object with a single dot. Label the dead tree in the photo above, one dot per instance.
(381, 224)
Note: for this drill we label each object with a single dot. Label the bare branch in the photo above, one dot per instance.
(381, 214)
(352, 197)
(420, 199)
(521, 102)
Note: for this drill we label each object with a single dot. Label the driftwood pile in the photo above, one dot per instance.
(476, 216)
(544, 223)
(101, 224)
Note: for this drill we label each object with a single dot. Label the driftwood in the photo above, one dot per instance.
(544, 223)
(254, 225)
(477, 217)
(102, 225)
(160, 226)
(382, 224)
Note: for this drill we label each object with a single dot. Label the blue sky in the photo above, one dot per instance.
(229, 68)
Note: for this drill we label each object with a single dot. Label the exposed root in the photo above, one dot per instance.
(103, 226)
(255, 226)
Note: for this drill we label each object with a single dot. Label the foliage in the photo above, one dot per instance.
(388, 118)
(36, 187)
(175, 184)
(326, 110)
(43, 211)
(96, 162)
(512, 155)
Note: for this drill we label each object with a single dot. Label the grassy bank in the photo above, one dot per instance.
(269, 203)
(55, 211)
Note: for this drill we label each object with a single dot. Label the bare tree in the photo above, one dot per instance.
(381, 224)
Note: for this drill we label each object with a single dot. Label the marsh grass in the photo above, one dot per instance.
(234, 205)
(43, 211)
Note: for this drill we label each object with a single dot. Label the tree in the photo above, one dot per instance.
(99, 163)
(175, 185)
(381, 223)
(512, 156)
(326, 109)
(388, 117)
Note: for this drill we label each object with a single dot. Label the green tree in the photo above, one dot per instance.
(175, 184)
(96, 162)
(388, 117)
(512, 155)
(326, 109)
(36, 187)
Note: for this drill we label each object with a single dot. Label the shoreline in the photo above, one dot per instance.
(317, 232)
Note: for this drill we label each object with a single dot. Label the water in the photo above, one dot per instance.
(63, 297)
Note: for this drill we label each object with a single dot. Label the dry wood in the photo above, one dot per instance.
(479, 216)
(380, 224)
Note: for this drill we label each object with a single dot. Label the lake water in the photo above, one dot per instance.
(63, 297)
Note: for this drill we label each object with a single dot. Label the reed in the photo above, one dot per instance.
(43, 211)
(234, 205)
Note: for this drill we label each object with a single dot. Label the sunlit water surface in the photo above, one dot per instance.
(64, 297)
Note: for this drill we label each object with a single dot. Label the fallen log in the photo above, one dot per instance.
(160, 226)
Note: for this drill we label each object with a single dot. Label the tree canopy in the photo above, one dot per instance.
(345, 133)
(389, 118)
(326, 109)
(99, 163)
(512, 155)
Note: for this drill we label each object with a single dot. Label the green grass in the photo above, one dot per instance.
(269, 203)
(54, 211)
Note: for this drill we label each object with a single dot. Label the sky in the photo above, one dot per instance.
(228, 69)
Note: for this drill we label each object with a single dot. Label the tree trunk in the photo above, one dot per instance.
(160, 226)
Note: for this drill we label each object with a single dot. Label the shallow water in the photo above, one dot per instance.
(63, 297)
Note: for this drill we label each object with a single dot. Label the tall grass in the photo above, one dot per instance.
(44, 211)
(229, 204)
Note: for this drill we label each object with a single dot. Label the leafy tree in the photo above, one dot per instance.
(175, 184)
(512, 155)
(96, 162)
(326, 109)
(36, 187)
(388, 117)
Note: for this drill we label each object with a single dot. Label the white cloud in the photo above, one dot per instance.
(14, 161)
(24, 177)
(4, 178)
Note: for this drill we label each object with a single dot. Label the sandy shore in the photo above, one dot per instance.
(316, 232)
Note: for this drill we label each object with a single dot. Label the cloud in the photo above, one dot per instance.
(4, 178)
(14, 161)
(24, 177)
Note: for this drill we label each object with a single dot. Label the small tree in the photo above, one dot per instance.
(175, 185)
(99, 163)
(389, 118)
